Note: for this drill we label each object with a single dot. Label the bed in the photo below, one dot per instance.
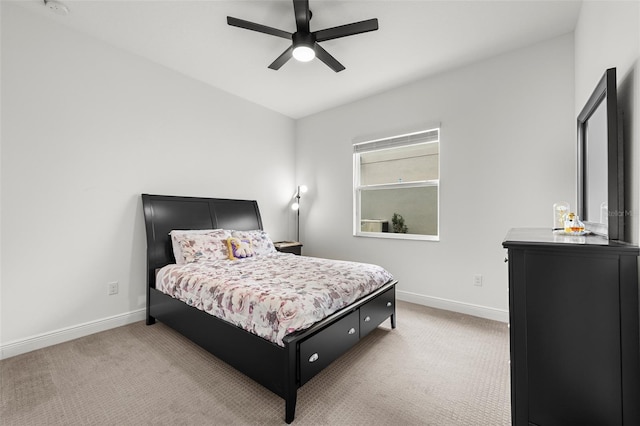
(282, 364)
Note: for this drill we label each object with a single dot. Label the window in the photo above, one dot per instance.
(396, 186)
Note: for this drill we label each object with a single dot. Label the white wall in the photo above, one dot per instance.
(507, 154)
(608, 35)
(86, 128)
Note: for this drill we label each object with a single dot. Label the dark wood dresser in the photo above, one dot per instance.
(573, 314)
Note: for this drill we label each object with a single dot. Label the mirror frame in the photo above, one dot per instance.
(605, 91)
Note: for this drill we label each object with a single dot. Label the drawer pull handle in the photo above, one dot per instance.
(367, 318)
(313, 357)
(352, 330)
(389, 304)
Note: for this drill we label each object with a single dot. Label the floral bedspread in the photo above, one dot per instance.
(271, 295)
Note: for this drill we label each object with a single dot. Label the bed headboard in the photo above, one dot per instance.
(164, 213)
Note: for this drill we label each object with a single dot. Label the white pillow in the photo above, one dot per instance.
(260, 240)
(191, 245)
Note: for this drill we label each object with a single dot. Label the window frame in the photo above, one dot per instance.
(358, 188)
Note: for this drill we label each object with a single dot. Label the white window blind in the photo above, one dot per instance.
(432, 135)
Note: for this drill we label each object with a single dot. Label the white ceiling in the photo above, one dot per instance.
(416, 39)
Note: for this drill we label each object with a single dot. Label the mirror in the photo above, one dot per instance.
(596, 205)
(600, 162)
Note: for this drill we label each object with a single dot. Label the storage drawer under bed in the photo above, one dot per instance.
(376, 311)
(321, 349)
(324, 347)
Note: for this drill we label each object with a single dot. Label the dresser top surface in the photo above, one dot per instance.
(546, 237)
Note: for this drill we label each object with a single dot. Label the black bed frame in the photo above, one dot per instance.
(280, 369)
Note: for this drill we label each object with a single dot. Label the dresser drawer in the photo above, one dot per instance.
(321, 349)
(376, 311)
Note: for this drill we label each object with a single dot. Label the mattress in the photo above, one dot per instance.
(271, 295)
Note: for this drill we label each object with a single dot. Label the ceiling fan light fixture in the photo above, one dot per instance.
(303, 53)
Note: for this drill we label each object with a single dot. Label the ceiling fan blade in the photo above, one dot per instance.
(303, 15)
(282, 59)
(241, 23)
(346, 30)
(325, 57)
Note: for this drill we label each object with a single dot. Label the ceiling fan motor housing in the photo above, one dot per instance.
(303, 39)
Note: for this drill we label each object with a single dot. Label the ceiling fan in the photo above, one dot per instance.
(305, 45)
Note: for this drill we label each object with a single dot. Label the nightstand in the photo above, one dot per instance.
(294, 247)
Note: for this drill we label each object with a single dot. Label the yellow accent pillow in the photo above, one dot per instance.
(239, 248)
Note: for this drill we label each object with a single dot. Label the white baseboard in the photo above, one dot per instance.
(452, 305)
(29, 344)
(40, 341)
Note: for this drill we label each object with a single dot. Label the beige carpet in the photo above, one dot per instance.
(435, 368)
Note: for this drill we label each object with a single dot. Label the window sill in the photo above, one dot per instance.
(397, 236)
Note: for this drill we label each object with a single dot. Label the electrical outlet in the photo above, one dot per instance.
(113, 288)
(477, 280)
